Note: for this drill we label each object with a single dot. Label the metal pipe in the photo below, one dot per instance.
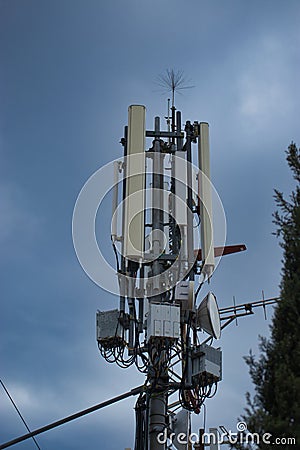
(178, 129)
(158, 400)
(132, 313)
(114, 219)
(173, 125)
(123, 268)
(157, 207)
(141, 299)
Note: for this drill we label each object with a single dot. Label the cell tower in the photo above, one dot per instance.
(158, 321)
(162, 264)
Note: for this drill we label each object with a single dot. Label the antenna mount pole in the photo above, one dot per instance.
(159, 378)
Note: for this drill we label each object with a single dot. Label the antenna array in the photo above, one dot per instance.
(157, 325)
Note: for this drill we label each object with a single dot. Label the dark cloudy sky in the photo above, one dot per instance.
(68, 71)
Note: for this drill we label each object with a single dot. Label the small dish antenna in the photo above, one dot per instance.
(208, 316)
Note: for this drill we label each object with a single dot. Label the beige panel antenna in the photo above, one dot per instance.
(134, 204)
(205, 194)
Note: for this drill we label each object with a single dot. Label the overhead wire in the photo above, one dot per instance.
(67, 419)
(19, 413)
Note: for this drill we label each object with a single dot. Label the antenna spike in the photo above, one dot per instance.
(264, 304)
(236, 321)
(173, 81)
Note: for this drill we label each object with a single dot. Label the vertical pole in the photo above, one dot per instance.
(178, 129)
(123, 268)
(141, 299)
(168, 120)
(157, 404)
(173, 125)
(201, 438)
(114, 220)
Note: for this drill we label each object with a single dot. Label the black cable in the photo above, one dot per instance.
(140, 411)
(84, 412)
(19, 413)
(116, 254)
(215, 391)
(198, 289)
(204, 417)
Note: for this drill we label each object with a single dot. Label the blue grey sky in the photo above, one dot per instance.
(68, 72)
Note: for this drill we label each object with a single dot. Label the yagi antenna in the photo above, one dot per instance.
(231, 313)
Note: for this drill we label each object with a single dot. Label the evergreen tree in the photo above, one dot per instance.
(275, 406)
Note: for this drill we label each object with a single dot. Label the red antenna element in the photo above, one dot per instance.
(222, 251)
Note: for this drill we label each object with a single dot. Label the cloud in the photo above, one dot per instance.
(264, 90)
(21, 394)
(260, 97)
(16, 219)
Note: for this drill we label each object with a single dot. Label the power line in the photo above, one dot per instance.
(52, 425)
(19, 413)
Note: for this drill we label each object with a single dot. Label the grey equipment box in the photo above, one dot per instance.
(163, 321)
(206, 365)
(109, 330)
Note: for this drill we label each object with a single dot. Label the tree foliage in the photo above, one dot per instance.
(275, 406)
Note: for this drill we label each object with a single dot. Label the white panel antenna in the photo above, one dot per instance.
(205, 195)
(134, 204)
(180, 188)
(180, 200)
